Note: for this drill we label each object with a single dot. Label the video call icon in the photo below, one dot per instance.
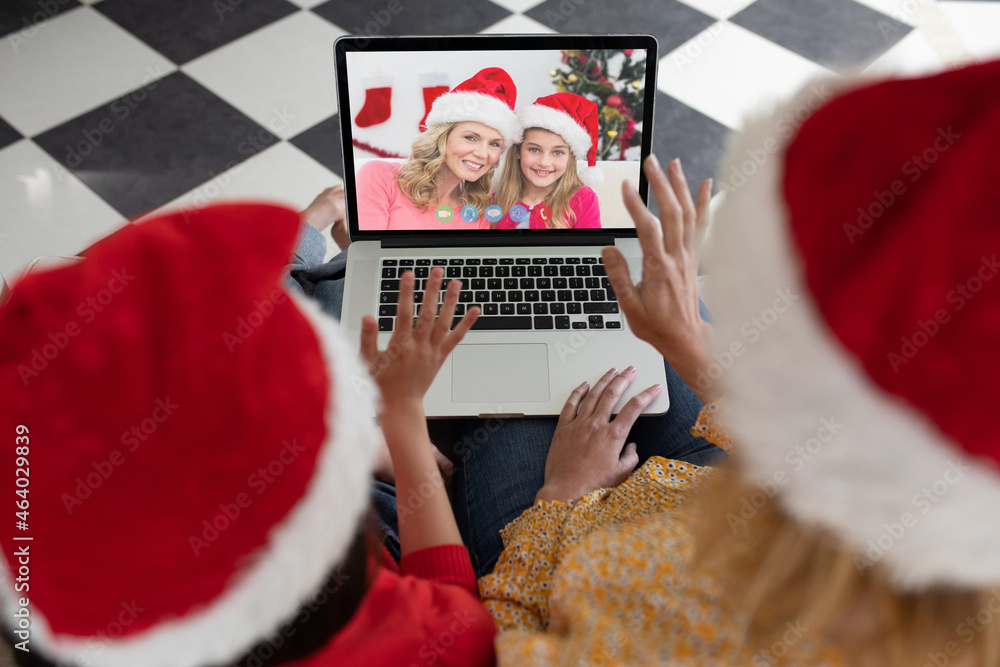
(444, 213)
(519, 213)
(469, 213)
(493, 213)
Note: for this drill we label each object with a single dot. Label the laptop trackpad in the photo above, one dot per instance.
(500, 373)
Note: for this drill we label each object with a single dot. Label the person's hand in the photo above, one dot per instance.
(386, 472)
(662, 308)
(329, 208)
(588, 450)
(405, 370)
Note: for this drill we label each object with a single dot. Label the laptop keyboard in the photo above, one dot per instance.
(513, 293)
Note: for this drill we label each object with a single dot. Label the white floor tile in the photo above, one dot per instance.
(911, 56)
(517, 5)
(71, 64)
(977, 25)
(282, 76)
(517, 24)
(720, 9)
(281, 173)
(46, 210)
(727, 72)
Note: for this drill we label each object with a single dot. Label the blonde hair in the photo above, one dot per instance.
(417, 176)
(784, 572)
(513, 183)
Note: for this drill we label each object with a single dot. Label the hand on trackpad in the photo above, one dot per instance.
(500, 373)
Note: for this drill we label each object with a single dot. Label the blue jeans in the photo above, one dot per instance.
(500, 464)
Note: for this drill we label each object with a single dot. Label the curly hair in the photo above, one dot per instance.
(417, 177)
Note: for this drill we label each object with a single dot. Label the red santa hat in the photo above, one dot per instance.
(488, 97)
(197, 438)
(856, 297)
(574, 118)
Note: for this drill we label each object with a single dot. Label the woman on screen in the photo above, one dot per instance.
(539, 184)
(451, 164)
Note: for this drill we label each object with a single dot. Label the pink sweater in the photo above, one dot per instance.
(382, 205)
(584, 204)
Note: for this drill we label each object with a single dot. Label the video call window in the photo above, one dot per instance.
(495, 140)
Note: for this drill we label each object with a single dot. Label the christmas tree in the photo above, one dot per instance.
(614, 80)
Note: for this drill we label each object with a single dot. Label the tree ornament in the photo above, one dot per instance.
(612, 133)
(614, 100)
(637, 84)
(572, 78)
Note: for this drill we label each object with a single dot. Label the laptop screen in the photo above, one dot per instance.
(510, 136)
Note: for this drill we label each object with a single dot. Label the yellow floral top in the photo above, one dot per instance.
(608, 580)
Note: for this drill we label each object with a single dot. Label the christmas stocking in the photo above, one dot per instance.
(377, 107)
(434, 85)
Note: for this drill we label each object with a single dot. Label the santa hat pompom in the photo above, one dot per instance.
(592, 177)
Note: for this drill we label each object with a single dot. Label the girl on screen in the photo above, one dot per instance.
(451, 164)
(559, 129)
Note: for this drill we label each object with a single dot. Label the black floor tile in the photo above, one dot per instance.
(8, 135)
(185, 29)
(671, 22)
(26, 15)
(680, 131)
(834, 33)
(415, 17)
(322, 143)
(154, 144)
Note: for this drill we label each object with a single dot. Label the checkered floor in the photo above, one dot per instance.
(111, 109)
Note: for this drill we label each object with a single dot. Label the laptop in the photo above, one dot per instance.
(549, 318)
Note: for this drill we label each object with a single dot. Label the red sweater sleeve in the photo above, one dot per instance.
(448, 564)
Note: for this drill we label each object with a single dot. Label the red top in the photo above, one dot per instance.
(584, 204)
(425, 612)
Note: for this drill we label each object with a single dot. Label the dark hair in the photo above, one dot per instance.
(318, 619)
